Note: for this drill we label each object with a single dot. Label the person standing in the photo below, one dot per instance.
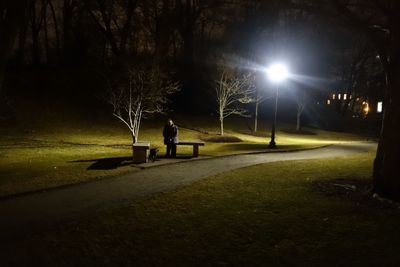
(170, 134)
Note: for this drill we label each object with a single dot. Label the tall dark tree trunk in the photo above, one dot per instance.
(188, 68)
(298, 122)
(46, 33)
(186, 15)
(68, 14)
(188, 48)
(35, 31)
(256, 116)
(188, 21)
(20, 56)
(162, 36)
(127, 26)
(116, 39)
(386, 164)
(11, 14)
(56, 29)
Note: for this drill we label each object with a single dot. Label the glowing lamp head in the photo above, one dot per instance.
(277, 73)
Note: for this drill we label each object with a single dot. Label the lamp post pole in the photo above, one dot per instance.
(272, 143)
(277, 73)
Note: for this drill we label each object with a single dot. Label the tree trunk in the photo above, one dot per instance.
(256, 117)
(139, 120)
(298, 124)
(56, 31)
(22, 41)
(133, 142)
(353, 103)
(9, 25)
(162, 35)
(188, 48)
(386, 164)
(300, 108)
(68, 13)
(133, 138)
(221, 120)
(46, 32)
(345, 107)
(127, 27)
(35, 31)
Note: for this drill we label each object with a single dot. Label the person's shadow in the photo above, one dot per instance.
(107, 163)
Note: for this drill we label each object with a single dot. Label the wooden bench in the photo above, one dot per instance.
(192, 143)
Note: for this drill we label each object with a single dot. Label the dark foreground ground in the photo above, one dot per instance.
(291, 213)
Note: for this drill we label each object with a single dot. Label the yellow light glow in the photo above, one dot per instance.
(334, 96)
(328, 102)
(366, 108)
(339, 96)
(344, 96)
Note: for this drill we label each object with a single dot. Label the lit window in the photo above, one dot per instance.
(334, 96)
(379, 107)
(339, 96)
(328, 102)
(344, 96)
(351, 97)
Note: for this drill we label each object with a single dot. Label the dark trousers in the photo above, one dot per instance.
(171, 150)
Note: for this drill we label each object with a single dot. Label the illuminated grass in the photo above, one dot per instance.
(51, 153)
(265, 215)
(38, 168)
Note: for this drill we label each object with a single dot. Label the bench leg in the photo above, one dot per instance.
(195, 151)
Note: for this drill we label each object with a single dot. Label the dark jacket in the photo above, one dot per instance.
(170, 134)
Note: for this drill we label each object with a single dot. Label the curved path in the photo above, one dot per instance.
(25, 214)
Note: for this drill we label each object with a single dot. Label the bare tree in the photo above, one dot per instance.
(301, 104)
(258, 99)
(145, 93)
(231, 92)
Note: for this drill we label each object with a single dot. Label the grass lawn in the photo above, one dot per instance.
(295, 213)
(57, 149)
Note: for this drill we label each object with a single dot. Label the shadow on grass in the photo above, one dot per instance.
(258, 134)
(257, 147)
(114, 163)
(359, 191)
(220, 139)
(107, 163)
(301, 132)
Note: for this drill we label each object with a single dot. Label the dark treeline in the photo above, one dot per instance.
(74, 43)
(88, 36)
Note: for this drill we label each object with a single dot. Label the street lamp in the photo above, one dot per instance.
(277, 73)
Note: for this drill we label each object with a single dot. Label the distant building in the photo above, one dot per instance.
(357, 106)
